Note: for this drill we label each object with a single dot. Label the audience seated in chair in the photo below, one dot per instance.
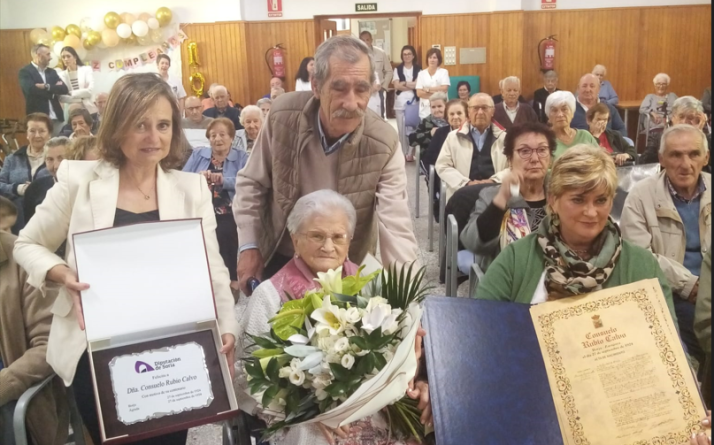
(474, 153)
(670, 214)
(511, 112)
(588, 91)
(560, 107)
(607, 92)
(222, 108)
(498, 98)
(656, 107)
(428, 126)
(55, 152)
(81, 122)
(24, 327)
(688, 110)
(611, 141)
(550, 85)
(501, 216)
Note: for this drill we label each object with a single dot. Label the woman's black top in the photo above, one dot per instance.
(124, 217)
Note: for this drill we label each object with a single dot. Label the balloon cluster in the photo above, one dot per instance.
(104, 32)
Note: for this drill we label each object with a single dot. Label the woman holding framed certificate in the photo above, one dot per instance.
(140, 142)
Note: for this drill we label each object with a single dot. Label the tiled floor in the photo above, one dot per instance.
(211, 434)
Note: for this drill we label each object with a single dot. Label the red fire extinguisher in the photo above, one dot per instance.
(275, 59)
(546, 53)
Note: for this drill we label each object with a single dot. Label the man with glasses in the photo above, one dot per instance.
(42, 87)
(194, 120)
(473, 154)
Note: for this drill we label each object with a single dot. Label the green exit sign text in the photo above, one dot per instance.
(366, 7)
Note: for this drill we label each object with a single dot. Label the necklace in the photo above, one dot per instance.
(136, 184)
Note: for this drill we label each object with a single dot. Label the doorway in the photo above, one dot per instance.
(390, 32)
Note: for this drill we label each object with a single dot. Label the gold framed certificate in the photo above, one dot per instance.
(616, 368)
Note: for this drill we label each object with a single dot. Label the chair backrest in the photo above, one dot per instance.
(474, 82)
(627, 178)
(411, 115)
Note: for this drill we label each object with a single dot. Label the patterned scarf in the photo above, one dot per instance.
(566, 274)
(514, 226)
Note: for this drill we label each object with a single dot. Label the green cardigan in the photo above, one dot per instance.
(581, 137)
(516, 271)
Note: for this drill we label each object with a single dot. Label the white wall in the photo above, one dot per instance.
(19, 14)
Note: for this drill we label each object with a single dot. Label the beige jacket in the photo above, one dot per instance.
(383, 66)
(84, 199)
(24, 326)
(368, 169)
(454, 162)
(650, 220)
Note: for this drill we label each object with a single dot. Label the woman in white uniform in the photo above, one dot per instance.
(302, 78)
(431, 80)
(405, 83)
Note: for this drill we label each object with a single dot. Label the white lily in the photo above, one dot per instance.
(375, 301)
(329, 318)
(331, 281)
(375, 317)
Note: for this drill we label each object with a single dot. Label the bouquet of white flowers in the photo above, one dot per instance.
(342, 353)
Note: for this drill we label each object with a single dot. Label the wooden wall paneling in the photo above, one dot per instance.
(15, 46)
(298, 38)
(504, 52)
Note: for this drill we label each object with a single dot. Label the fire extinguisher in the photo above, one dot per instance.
(546, 53)
(275, 59)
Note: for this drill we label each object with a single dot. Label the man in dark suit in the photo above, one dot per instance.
(42, 87)
(222, 108)
(550, 85)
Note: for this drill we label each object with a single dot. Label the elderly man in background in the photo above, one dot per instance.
(275, 83)
(42, 87)
(587, 96)
(25, 321)
(55, 150)
(382, 64)
(670, 214)
(194, 120)
(607, 93)
(324, 139)
(550, 85)
(510, 112)
(101, 103)
(221, 107)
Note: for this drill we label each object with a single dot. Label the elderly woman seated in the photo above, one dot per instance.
(251, 118)
(81, 122)
(428, 126)
(24, 327)
(463, 89)
(610, 140)
(264, 105)
(512, 211)
(219, 164)
(656, 107)
(577, 249)
(560, 108)
(321, 226)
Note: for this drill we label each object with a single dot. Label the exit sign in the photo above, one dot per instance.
(365, 7)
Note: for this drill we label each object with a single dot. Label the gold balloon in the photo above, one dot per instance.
(112, 20)
(38, 33)
(58, 34)
(197, 89)
(74, 30)
(164, 16)
(93, 38)
(87, 45)
(131, 40)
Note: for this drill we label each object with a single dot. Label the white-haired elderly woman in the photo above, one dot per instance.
(321, 226)
(251, 118)
(690, 111)
(607, 92)
(577, 248)
(427, 127)
(656, 104)
(560, 108)
(264, 105)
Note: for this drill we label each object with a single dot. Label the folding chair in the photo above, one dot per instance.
(452, 248)
(475, 275)
(19, 417)
(432, 176)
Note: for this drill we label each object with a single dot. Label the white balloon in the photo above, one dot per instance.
(140, 28)
(98, 24)
(54, 60)
(57, 47)
(124, 31)
(153, 23)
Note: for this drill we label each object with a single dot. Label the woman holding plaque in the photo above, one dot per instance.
(577, 249)
(321, 226)
(140, 142)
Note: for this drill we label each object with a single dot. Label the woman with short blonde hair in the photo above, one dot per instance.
(578, 248)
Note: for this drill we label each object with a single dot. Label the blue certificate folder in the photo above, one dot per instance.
(487, 379)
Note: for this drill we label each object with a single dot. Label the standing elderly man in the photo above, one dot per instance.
(194, 119)
(588, 96)
(221, 107)
(510, 112)
(42, 87)
(324, 139)
(550, 85)
(382, 64)
(670, 214)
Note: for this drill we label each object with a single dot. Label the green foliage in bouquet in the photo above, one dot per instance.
(287, 358)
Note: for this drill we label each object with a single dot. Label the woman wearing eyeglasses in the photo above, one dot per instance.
(502, 216)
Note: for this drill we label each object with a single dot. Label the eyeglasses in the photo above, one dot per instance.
(526, 153)
(194, 108)
(319, 238)
(478, 108)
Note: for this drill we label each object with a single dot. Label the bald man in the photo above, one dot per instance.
(588, 95)
(194, 120)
